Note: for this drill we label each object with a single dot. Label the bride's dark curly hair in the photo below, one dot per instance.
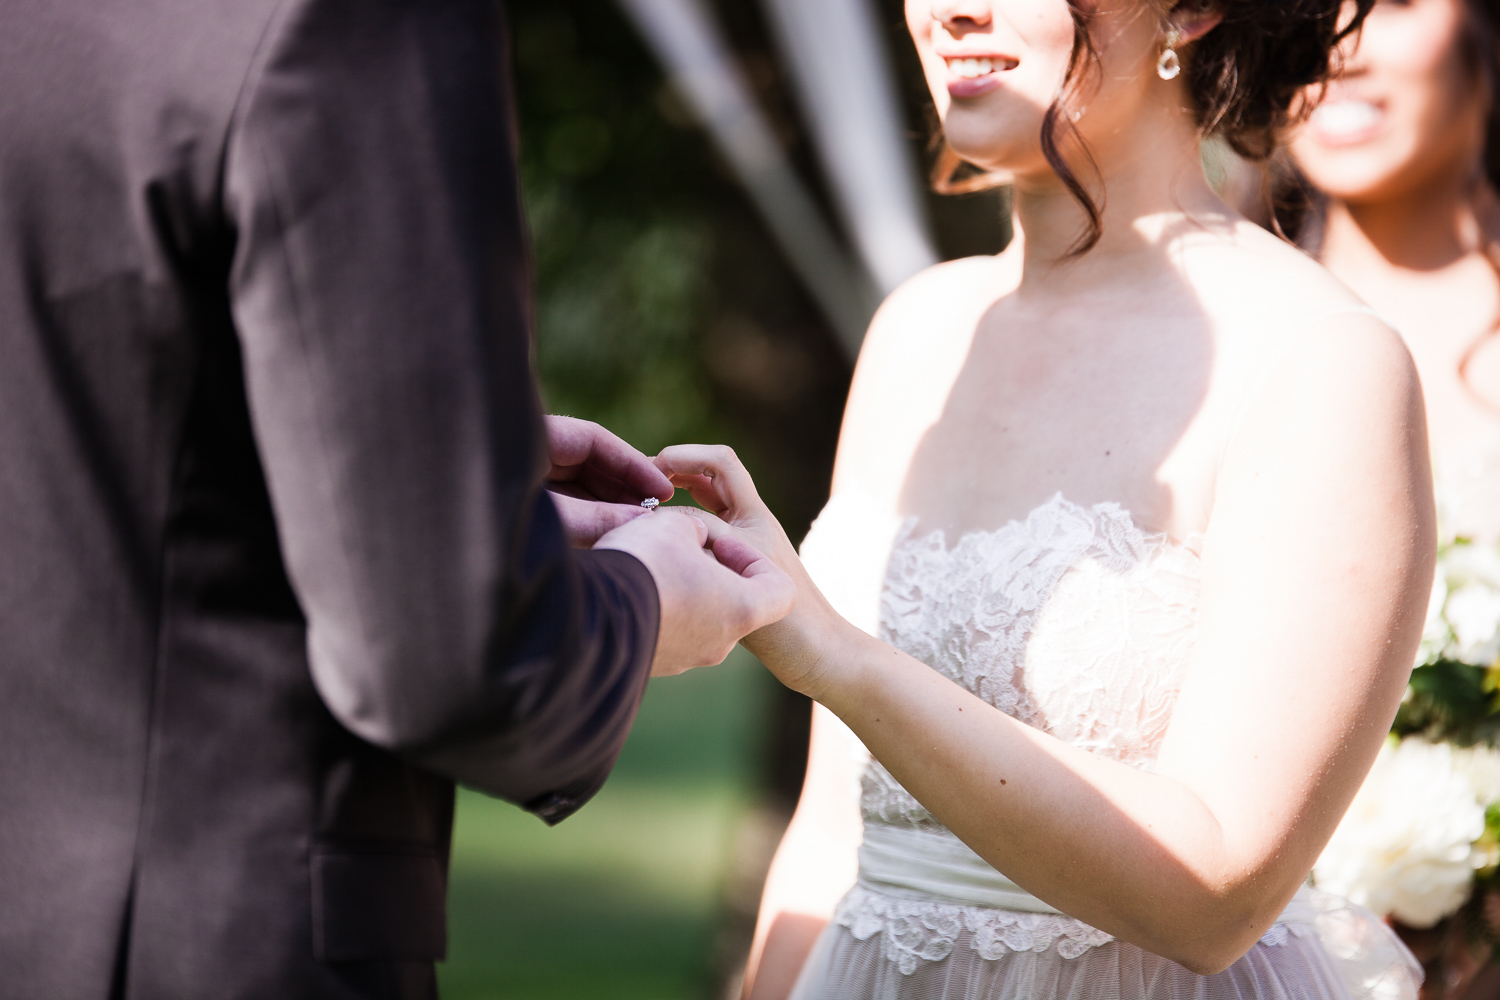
(1244, 77)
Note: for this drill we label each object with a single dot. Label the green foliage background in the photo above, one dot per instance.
(664, 311)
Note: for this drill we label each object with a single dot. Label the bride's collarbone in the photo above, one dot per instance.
(962, 484)
(1147, 441)
(1128, 401)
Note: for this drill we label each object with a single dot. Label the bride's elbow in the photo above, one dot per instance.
(1210, 960)
(1210, 939)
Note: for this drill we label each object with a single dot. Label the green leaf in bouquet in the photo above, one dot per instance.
(1487, 848)
(1451, 702)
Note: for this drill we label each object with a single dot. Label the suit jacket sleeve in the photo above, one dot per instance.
(380, 289)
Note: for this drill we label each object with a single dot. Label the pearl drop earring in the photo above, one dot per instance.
(1168, 65)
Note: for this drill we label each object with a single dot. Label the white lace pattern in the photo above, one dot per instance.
(921, 929)
(1073, 621)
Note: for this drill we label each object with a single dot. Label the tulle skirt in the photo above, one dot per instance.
(1345, 953)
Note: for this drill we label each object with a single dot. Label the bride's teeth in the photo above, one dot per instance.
(970, 68)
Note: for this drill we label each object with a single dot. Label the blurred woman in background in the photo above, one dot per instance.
(1391, 183)
(1401, 158)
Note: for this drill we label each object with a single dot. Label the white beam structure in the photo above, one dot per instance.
(847, 92)
(687, 42)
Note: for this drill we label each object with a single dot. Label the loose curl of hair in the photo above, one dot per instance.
(1244, 78)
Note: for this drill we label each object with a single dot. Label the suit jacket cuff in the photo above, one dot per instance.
(619, 579)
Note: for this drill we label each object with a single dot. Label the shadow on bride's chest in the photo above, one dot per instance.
(1098, 411)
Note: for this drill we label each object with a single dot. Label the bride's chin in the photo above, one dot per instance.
(988, 152)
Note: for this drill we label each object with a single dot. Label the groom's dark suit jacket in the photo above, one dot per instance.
(274, 565)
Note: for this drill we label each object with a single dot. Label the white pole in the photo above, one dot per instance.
(688, 44)
(845, 85)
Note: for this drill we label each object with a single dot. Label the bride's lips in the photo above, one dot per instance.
(970, 75)
(1346, 121)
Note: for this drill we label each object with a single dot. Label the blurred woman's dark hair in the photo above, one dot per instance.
(1296, 207)
(1244, 77)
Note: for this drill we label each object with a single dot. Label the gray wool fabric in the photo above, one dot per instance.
(275, 564)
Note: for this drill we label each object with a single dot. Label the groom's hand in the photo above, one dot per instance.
(597, 480)
(710, 597)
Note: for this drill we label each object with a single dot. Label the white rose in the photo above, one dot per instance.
(1473, 610)
(1465, 563)
(1406, 846)
(1480, 766)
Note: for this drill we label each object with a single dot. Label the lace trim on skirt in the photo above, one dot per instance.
(916, 929)
(1367, 957)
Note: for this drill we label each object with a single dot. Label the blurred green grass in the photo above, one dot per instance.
(624, 900)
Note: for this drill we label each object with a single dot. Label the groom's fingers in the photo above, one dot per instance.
(716, 526)
(573, 490)
(767, 593)
(695, 516)
(602, 463)
(586, 521)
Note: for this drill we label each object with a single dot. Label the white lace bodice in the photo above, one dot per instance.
(1074, 621)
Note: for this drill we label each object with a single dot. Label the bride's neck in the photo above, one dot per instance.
(1147, 187)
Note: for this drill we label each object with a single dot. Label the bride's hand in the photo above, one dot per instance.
(794, 649)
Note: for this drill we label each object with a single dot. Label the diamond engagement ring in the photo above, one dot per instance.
(651, 503)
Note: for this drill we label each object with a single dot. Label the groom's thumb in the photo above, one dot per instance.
(770, 593)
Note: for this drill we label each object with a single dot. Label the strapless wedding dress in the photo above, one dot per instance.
(1077, 622)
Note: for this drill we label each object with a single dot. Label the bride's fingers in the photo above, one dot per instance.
(727, 481)
(700, 488)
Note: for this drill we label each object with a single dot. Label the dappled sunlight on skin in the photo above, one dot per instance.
(1053, 403)
(1056, 364)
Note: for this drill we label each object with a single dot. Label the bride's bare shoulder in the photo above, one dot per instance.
(1290, 329)
(911, 354)
(1271, 302)
(1267, 280)
(932, 315)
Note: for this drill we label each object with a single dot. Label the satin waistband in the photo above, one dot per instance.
(936, 865)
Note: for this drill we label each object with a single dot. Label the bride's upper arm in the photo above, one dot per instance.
(1316, 568)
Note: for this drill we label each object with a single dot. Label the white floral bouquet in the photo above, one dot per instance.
(1463, 618)
(1424, 831)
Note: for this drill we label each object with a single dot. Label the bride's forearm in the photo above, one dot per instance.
(1134, 854)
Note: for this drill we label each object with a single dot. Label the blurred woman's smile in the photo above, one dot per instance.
(1346, 121)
